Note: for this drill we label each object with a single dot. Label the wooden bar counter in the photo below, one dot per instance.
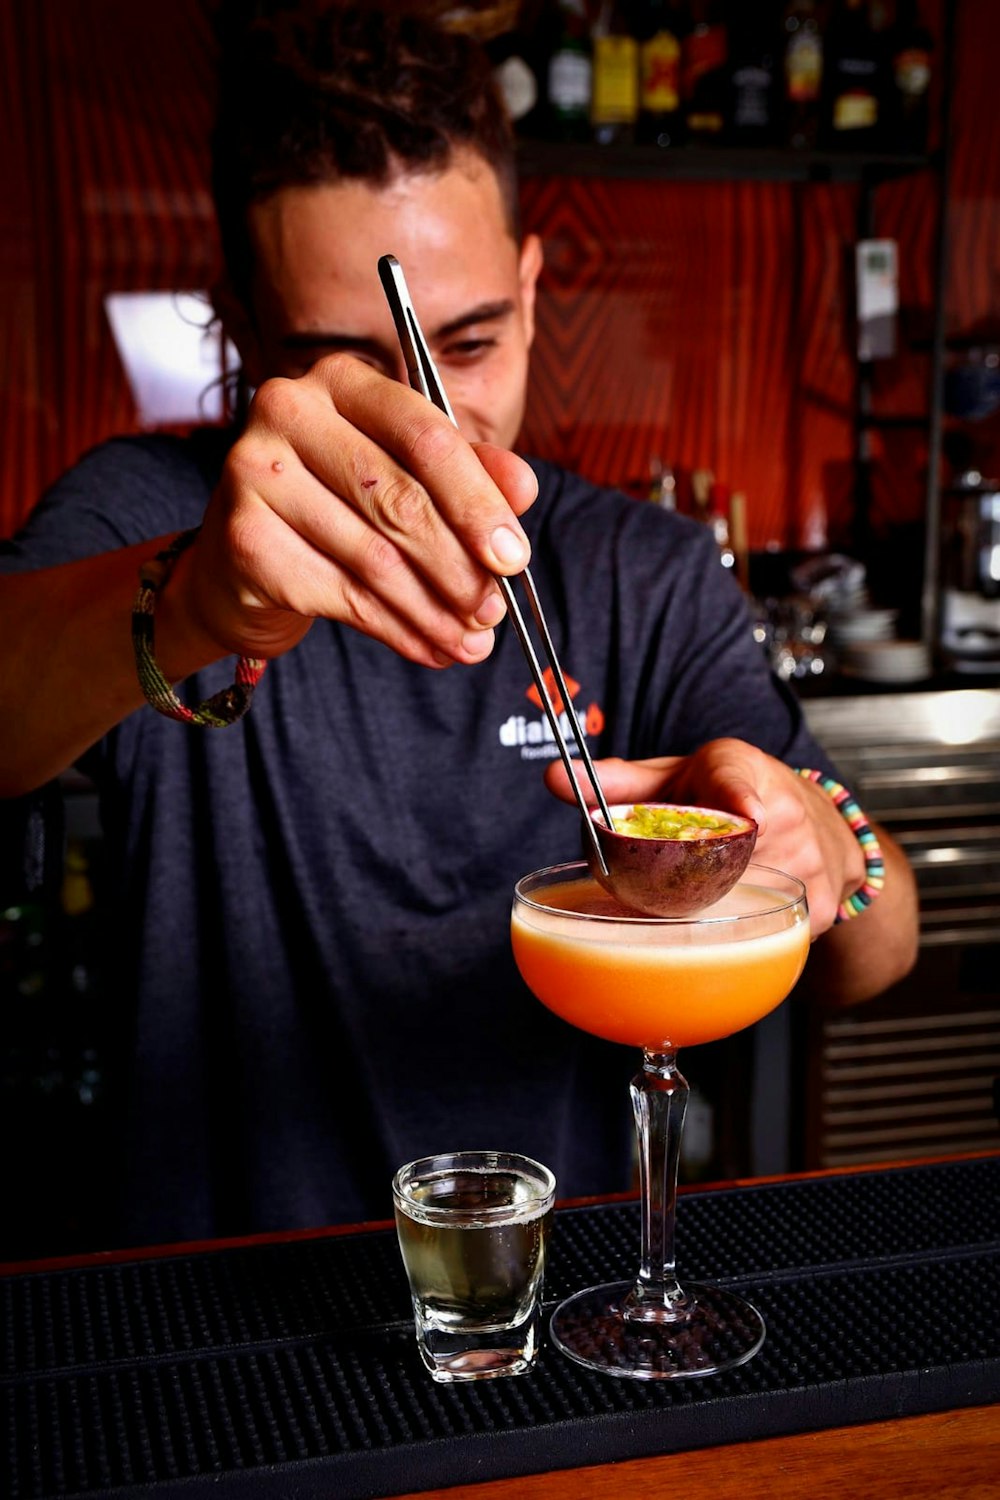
(952, 1455)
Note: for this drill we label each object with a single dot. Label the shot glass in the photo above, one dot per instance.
(473, 1227)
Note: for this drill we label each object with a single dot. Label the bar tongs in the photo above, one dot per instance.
(423, 377)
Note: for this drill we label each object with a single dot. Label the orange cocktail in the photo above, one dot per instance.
(656, 984)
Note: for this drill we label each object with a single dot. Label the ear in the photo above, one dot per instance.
(238, 325)
(529, 269)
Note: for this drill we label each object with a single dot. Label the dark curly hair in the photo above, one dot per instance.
(311, 92)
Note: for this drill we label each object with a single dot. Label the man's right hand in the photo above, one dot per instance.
(350, 496)
(347, 496)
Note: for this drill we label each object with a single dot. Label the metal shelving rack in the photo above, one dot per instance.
(868, 171)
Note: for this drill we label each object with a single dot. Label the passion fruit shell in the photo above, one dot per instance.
(676, 875)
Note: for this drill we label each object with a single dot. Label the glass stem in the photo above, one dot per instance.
(659, 1101)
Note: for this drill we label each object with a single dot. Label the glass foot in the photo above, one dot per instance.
(711, 1330)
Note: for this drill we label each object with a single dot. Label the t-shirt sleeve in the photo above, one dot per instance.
(125, 491)
(709, 678)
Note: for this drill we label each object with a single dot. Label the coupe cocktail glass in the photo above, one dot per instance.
(659, 984)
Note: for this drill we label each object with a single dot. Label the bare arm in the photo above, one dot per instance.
(348, 496)
(70, 673)
(857, 960)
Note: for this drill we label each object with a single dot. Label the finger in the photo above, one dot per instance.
(729, 774)
(512, 476)
(621, 780)
(429, 448)
(291, 556)
(716, 777)
(735, 793)
(345, 465)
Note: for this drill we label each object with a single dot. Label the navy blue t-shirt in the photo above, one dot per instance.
(311, 908)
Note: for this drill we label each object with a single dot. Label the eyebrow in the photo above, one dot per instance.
(486, 312)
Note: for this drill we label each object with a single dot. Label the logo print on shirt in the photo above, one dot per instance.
(534, 737)
(549, 678)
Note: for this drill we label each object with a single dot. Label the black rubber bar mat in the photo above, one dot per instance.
(290, 1370)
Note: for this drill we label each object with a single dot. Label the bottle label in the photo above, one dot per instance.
(616, 80)
(803, 68)
(857, 67)
(751, 109)
(855, 111)
(569, 82)
(704, 51)
(913, 72)
(660, 68)
(517, 87)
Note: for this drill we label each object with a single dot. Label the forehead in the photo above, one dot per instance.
(316, 248)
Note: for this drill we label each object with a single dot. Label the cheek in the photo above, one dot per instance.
(485, 417)
(490, 403)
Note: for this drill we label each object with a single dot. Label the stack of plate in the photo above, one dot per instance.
(849, 627)
(886, 661)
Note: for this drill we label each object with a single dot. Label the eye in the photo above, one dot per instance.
(371, 361)
(467, 350)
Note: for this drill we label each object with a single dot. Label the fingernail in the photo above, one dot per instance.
(491, 611)
(477, 643)
(443, 659)
(509, 548)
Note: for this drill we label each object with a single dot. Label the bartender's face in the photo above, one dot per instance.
(316, 289)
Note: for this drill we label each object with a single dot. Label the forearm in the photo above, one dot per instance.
(68, 674)
(858, 959)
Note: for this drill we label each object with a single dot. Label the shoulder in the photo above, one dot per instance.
(567, 500)
(159, 463)
(124, 490)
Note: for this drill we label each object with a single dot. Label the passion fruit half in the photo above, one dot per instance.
(670, 861)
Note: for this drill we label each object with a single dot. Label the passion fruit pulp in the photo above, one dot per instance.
(666, 860)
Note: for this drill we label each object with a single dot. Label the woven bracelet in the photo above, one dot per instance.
(859, 825)
(222, 708)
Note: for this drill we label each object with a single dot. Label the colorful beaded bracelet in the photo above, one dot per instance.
(222, 708)
(859, 825)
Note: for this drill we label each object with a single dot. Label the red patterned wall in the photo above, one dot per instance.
(105, 113)
(708, 324)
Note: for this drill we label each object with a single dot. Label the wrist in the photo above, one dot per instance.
(855, 820)
(184, 642)
(224, 707)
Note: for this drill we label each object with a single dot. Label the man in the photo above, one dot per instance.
(311, 905)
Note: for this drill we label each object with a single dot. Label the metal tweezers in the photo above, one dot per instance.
(424, 378)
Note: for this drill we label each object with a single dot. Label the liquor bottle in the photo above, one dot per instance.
(718, 520)
(802, 75)
(569, 74)
(660, 30)
(662, 484)
(855, 73)
(704, 81)
(912, 56)
(701, 488)
(754, 60)
(738, 538)
(614, 102)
